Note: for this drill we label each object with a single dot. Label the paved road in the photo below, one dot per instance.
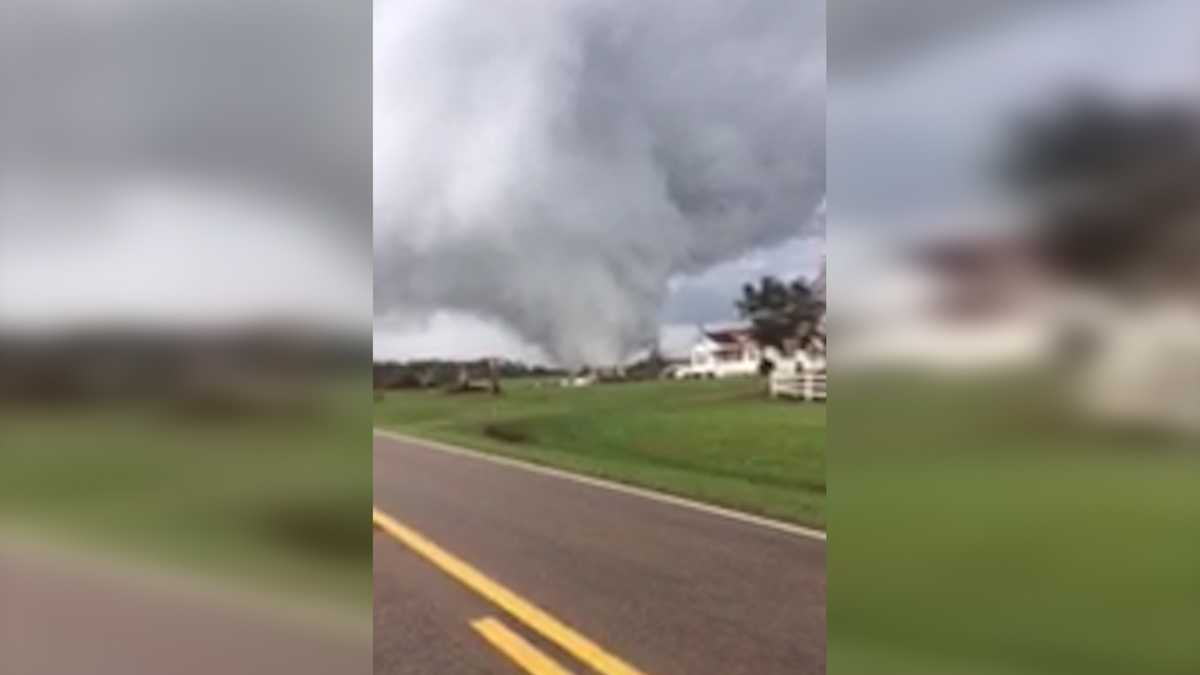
(63, 614)
(660, 588)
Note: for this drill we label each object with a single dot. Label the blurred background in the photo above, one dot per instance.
(185, 248)
(1015, 334)
(185, 311)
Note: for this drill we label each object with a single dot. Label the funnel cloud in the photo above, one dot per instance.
(551, 167)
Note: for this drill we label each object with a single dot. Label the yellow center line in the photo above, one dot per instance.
(517, 648)
(539, 620)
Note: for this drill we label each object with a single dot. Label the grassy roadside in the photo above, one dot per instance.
(982, 527)
(715, 441)
(277, 504)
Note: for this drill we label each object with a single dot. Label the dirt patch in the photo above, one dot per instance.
(507, 433)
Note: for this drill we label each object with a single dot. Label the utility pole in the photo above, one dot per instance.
(494, 376)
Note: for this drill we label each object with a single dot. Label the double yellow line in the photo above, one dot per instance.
(509, 643)
(516, 648)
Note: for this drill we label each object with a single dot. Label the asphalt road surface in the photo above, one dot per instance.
(482, 567)
(62, 614)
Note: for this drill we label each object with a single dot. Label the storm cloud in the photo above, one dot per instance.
(551, 166)
(180, 161)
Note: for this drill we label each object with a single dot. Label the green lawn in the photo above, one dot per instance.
(980, 527)
(721, 442)
(277, 503)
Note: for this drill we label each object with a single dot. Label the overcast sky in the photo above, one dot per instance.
(181, 163)
(561, 180)
(915, 120)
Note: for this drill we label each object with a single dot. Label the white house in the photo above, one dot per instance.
(733, 352)
(581, 380)
(727, 352)
(953, 304)
(977, 305)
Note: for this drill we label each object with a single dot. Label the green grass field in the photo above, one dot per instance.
(276, 503)
(982, 527)
(721, 442)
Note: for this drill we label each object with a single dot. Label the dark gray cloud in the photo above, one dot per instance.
(867, 35)
(276, 99)
(553, 168)
(912, 137)
(169, 160)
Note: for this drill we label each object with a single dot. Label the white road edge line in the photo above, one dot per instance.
(661, 497)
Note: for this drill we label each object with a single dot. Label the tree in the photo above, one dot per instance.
(1112, 185)
(783, 314)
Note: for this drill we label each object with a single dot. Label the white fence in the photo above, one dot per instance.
(802, 386)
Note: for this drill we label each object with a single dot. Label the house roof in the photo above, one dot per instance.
(730, 335)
